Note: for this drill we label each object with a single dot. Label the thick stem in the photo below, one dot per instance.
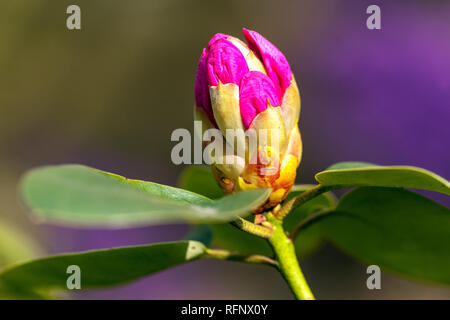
(287, 260)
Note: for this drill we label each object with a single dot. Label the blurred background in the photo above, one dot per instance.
(109, 96)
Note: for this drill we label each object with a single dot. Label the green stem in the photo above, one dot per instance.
(287, 260)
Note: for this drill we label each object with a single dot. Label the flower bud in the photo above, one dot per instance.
(249, 93)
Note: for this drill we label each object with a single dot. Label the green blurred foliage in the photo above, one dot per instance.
(15, 246)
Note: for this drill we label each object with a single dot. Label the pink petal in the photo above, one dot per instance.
(255, 92)
(275, 62)
(216, 37)
(225, 63)
(201, 91)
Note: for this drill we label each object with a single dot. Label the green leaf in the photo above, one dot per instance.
(351, 165)
(396, 229)
(160, 190)
(79, 195)
(200, 180)
(349, 174)
(99, 268)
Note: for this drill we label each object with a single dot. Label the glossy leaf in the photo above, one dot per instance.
(396, 229)
(99, 268)
(349, 174)
(79, 195)
(351, 165)
(160, 190)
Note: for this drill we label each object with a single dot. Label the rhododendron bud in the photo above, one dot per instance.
(250, 88)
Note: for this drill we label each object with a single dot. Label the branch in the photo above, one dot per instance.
(303, 197)
(257, 230)
(226, 255)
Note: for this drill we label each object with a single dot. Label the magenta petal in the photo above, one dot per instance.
(202, 99)
(255, 91)
(216, 37)
(275, 62)
(201, 91)
(225, 63)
